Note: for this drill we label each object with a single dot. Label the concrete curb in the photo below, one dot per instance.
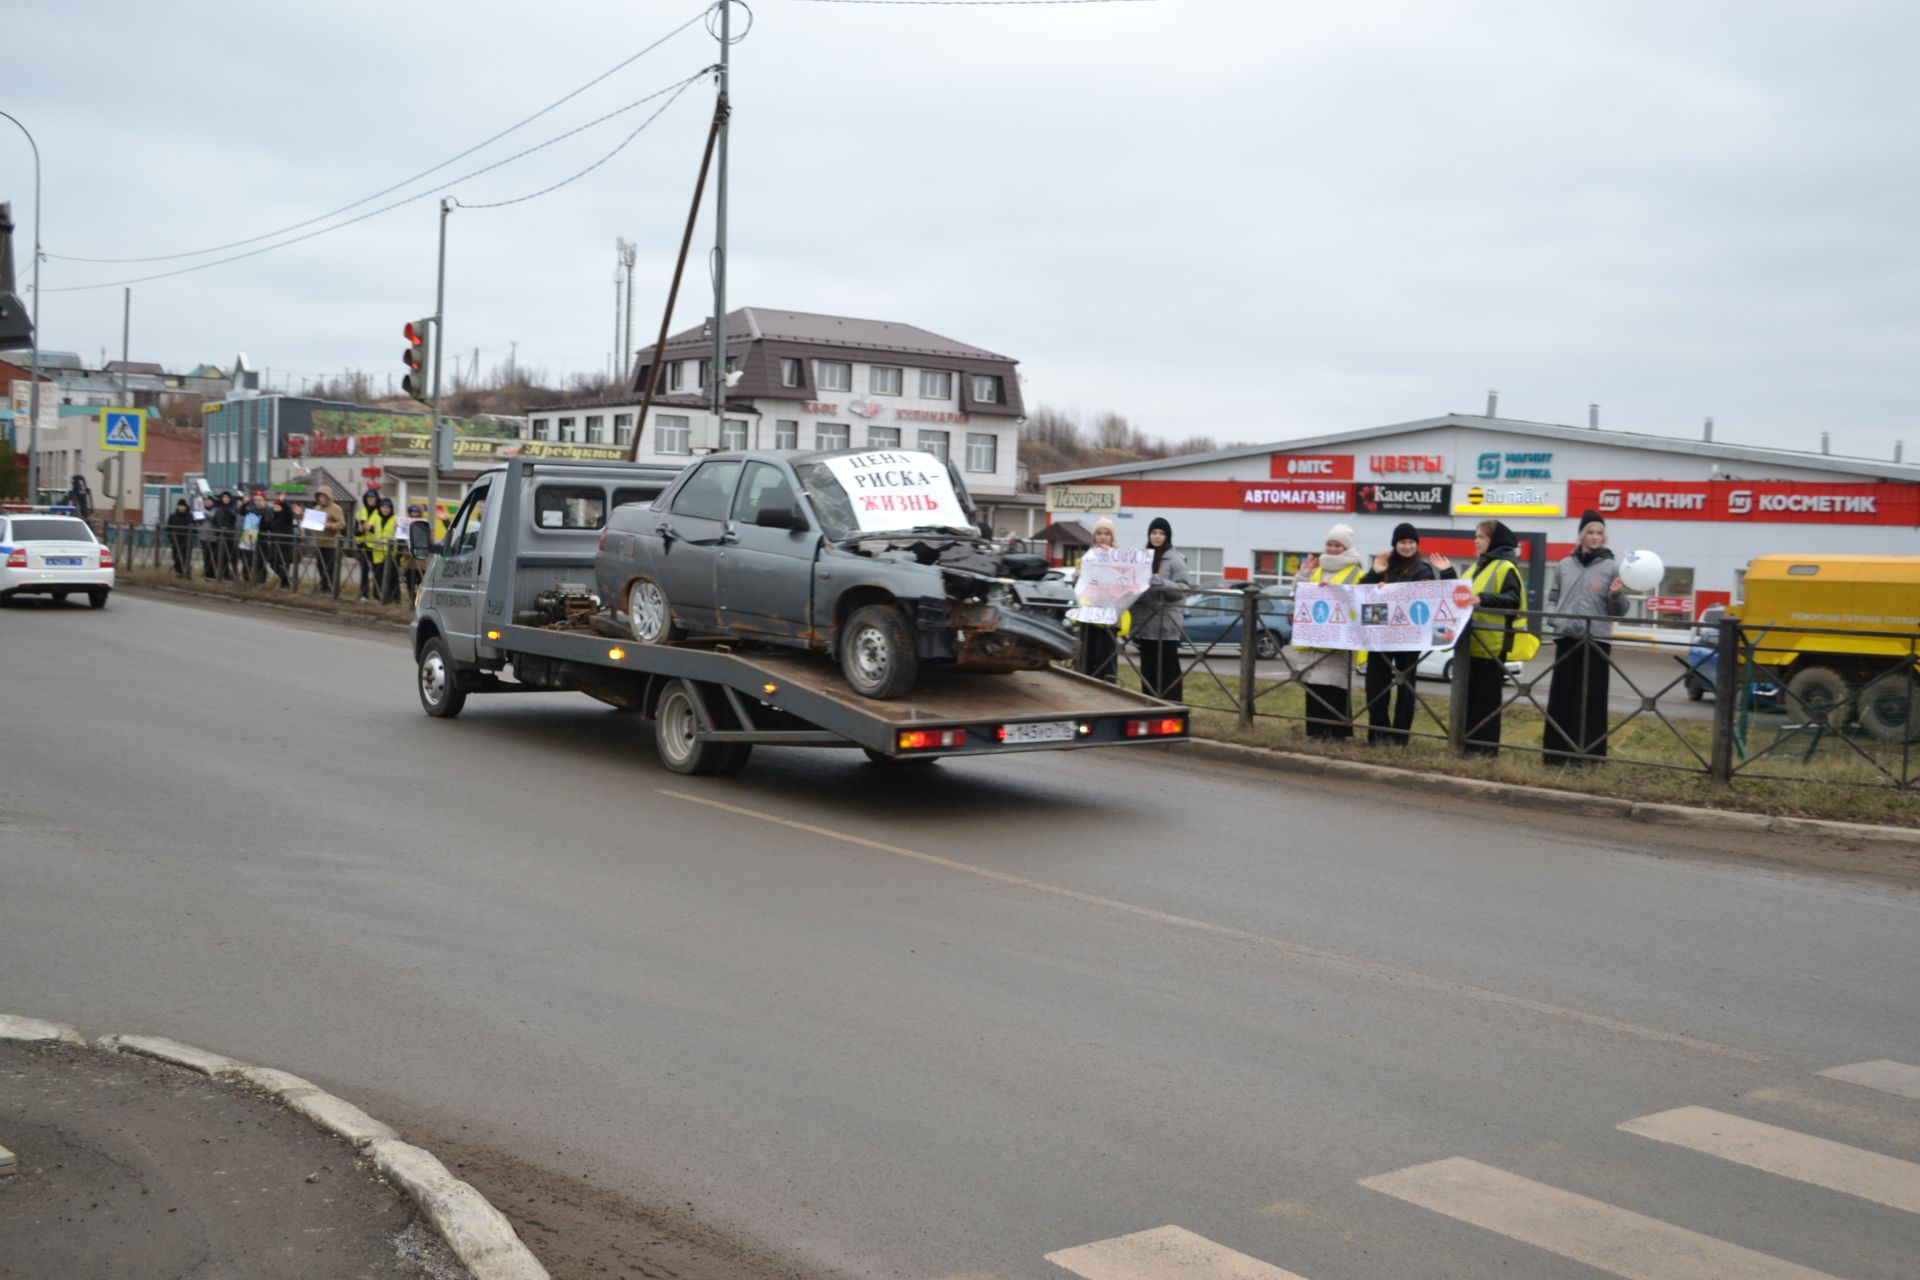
(480, 1237)
(1578, 803)
(264, 602)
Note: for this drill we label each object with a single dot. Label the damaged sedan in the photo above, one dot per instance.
(876, 558)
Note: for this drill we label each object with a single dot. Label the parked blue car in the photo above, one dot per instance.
(1215, 617)
(1703, 665)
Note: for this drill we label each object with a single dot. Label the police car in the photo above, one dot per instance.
(50, 554)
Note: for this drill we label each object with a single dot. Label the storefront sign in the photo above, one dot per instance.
(1515, 466)
(1311, 466)
(1297, 497)
(1670, 604)
(826, 410)
(917, 415)
(1402, 499)
(1746, 502)
(1509, 500)
(1387, 464)
(1083, 499)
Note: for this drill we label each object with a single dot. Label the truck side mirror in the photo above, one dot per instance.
(420, 542)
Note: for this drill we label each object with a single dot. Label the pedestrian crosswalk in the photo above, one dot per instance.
(1578, 1228)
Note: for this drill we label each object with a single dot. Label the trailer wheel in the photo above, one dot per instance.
(440, 691)
(876, 652)
(1819, 695)
(1890, 707)
(676, 732)
(649, 616)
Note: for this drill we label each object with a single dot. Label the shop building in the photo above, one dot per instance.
(1706, 508)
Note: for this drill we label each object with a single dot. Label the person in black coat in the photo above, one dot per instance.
(1390, 676)
(276, 541)
(180, 539)
(224, 519)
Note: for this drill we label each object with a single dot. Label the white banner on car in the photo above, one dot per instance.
(1398, 617)
(900, 490)
(1110, 578)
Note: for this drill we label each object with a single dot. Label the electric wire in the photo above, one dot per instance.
(405, 182)
(971, 4)
(676, 89)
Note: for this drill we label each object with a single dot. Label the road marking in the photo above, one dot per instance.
(1165, 1253)
(1887, 1077)
(1617, 1240)
(1352, 964)
(1800, 1156)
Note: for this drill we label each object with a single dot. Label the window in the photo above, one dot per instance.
(706, 373)
(790, 371)
(833, 375)
(671, 431)
(569, 506)
(464, 537)
(596, 428)
(933, 442)
(1204, 564)
(883, 437)
(786, 434)
(569, 433)
(982, 451)
(831, 435)
(733, 434)
(537, 429)
(708, 491)
(1267, 566)
(676, 372)
(986, 389)
(763, 488)
(623, 429)
(883, 380)
(936, 384)
(636, 494)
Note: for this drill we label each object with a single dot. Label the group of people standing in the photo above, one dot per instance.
(1588, 594)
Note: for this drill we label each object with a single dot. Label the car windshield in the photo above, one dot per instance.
(50, 529)
(890, 508)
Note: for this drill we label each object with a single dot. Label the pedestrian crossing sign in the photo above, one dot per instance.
(123, 429)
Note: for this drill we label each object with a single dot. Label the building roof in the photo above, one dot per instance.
(1515, 426)
(134, 366)
(757, 323)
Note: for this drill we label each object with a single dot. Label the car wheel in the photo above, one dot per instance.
(1696, 689)
(1266, 645)
(876, 652)
(1446, 672)
(676, 732)
(440, 692)
(1819, 695)
(649, 616)
(1890, 707)
(98, 599)
(882, 758)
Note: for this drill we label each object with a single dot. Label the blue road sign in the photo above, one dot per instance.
(124, 429)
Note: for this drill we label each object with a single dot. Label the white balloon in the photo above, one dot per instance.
(1642, 570)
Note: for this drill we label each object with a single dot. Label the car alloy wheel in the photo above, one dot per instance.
(649, 617)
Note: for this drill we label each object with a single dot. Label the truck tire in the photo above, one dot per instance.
(1890, 707)
(441, 693)
(676, 730)
(1818, 695)
(876, 652)
(649, 615)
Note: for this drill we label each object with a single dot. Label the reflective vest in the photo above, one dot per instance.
(380, 536)
(363, 524)
(1512, 631)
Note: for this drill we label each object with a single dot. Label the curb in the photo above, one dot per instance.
(1564, 802)
(262, 602)
(479, 1236)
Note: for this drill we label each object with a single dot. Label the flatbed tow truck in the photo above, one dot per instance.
(501, 609)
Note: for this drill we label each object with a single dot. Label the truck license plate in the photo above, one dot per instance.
(63, 561)
(1047, 731)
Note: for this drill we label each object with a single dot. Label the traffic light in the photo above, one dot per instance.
(416, 357)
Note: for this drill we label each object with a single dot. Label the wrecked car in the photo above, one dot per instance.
(874, 557)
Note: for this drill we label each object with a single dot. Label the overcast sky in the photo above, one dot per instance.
(1253, 219)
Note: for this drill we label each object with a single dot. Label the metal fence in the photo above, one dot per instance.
(337, 570)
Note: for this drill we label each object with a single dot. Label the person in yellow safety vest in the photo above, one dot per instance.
(382, 551)
(363, 516)
(1491, 637)
(1327, 678)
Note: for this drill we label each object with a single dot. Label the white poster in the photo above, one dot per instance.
(1110, 578)
(313, 518)
(1399, 617)
(900, 490)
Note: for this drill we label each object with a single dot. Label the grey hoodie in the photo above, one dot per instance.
(1587, 589)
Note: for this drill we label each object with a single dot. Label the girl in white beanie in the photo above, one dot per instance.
(1327, 678)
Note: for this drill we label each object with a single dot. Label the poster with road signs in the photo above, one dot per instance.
(1398, 617)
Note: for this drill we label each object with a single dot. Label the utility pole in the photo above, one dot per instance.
(126, 333)
(628, 254)
(723, 110)
(616, 302)
(513, 360)
(33, 374)
(439, 343)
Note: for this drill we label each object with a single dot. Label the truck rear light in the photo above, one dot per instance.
(1169, 727)
(930, 739)
(17, 558)
(106, 558)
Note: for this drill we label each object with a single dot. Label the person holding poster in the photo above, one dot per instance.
(1099, 645)
(1157, 615)
(1390, 695)
(1327, 676)
(1496, 583)
(1588, 588)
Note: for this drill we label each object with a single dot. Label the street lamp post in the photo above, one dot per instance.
(33, 387)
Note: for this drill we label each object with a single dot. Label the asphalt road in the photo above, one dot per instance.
(950, 1023)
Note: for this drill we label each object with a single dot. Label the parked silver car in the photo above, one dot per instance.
(876, 557)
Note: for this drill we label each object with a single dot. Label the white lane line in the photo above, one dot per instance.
(1888, 1077)
(1165, 1253)
(1352, 964)
(1787, 1152)
(1616, 1240)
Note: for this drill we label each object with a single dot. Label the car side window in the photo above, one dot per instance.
(631, 495)
(708, 491)
(764, 487)
(469, 523)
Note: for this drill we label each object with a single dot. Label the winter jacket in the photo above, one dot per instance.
(1587, 589)
(336, 523)
(1157, 613)
(1414, 570)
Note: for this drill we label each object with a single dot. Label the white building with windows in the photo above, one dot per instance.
(810, 381)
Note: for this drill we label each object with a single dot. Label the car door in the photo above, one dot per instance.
(456, 584)
(763, 577)
(690, 536)
(1208, 621)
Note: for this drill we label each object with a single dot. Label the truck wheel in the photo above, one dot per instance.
(440, 691)
(1818, 695)
(1890, 707)
(876, 652)
(649, 616)
(1266, 645)
(676, 732)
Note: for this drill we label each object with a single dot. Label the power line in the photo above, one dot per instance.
(676, 89)
(235, 244)
(965, 4)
